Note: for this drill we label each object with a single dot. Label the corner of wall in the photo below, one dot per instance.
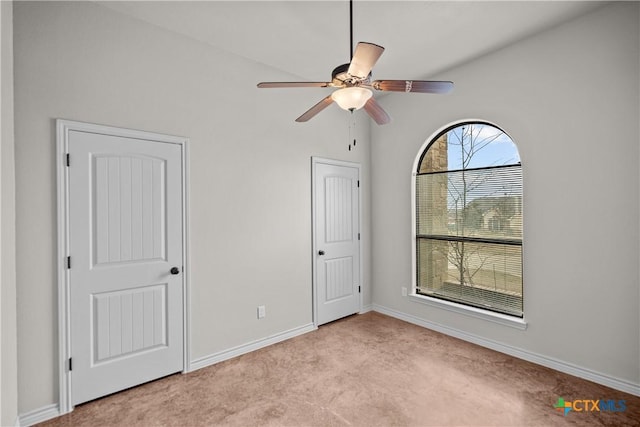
(8, 334)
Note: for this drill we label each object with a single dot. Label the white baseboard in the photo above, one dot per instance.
(249, 347)
(549, 362)
(365, 309)
(39, 415)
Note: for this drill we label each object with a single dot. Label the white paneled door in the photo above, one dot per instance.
(336, 239)
(125, 272)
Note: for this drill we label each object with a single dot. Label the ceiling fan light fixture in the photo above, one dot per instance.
(351, 98)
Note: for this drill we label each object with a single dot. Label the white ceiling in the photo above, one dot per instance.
(310, 38)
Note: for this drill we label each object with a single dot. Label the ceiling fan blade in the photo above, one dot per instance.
(268, 85)
(311, 112)
(376, 112)
(420, 86)
(364, 58)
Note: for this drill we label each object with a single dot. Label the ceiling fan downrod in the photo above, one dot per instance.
(351, 29)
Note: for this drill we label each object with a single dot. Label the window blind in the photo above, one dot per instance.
(469, 237)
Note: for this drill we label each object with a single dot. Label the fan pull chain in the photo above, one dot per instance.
(352, 131)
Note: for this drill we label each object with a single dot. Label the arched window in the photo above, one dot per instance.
(468, 215)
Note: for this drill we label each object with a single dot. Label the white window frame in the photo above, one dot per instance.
(478, 313)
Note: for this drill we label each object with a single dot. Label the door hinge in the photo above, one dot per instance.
(358, 236)
(68, 160)
(71, 364)
(358, 183)
(359, 289)
(69, 262)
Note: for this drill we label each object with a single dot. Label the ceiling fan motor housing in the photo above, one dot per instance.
(340, 76)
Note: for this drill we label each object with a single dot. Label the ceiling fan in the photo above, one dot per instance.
(355, 85)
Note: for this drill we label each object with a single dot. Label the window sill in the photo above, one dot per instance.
(502, 319)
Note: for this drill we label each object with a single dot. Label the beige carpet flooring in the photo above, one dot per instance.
(365, 370)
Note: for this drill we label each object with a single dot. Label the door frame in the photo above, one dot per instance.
(63, 127)
(314, 242)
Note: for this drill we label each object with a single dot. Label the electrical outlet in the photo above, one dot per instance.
(262, 311)
(404, 291)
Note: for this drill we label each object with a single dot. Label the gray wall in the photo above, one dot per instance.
(8, 354)
(250, 180)
(569, 98)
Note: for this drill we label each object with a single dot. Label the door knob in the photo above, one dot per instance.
(320, 253)
(174, 270)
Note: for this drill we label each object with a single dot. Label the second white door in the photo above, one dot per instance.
(337, 239)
